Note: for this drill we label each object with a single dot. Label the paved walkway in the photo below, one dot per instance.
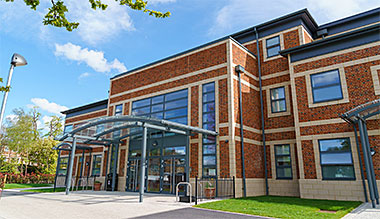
(364, 211)
(85, 204)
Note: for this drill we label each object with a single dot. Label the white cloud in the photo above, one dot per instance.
(11, 117)
(45, 105)
(94, 59)
(237, 14)
(97, 25)
(84, 75)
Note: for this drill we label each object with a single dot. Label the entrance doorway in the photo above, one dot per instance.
(165, 167)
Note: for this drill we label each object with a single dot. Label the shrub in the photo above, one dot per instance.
(28, 178)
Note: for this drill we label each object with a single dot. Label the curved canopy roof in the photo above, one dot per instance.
(363, 111)
(113, 129)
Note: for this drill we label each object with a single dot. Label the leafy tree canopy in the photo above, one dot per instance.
(56, 15)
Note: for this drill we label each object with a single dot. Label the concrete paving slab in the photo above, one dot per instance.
(84, 204)
(364, 211)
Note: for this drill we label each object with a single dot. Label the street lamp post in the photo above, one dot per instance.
(17, 60)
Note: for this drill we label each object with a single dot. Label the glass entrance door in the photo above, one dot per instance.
(173, 172)
(133, 179)
(153, 184)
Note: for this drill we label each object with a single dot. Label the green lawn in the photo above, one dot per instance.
(20, 186)
(283, 207)
(52, 190)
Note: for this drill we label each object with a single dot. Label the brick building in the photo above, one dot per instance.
(295, 83)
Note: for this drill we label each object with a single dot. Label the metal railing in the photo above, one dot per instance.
(210, 188)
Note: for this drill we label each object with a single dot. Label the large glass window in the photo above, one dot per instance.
(336, 159)
(283, 161)
(62, 169)
(170, 106)
(96, 164)
(208, 122)
(273, 46)
(277, 98)
(326, 86)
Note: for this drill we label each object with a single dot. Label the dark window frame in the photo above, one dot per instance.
(272, 46)
(343, 164)
(283, 167)
(326, 86)
(94, 162)
(204, 143)
(276, 100)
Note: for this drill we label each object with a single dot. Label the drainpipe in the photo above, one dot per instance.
(262, 112)
(240, 69)
(360, 162)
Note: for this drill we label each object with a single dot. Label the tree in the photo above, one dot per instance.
(56, 15)
(55, 127)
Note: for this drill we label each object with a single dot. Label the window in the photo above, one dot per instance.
(336, 159)
(62, 169)
(118, 112)
(96, 164)
(171, 106)
(208, 122)
(283, 161)
(68, 128)
(277, 98)
(326, 86)
(273, 46)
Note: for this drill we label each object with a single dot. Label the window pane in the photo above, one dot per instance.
(135, 153)
(323, 79)
(141, 111)
(176, 104)
(209, 149)
(209, 139)
(209, 126)
(331, 172)
(157, 108)
(273, 51)
(141, 103)
(342, 144)
(99, 128)
(118, 109)
(209, 171)
(176, 95)
(277, 93)
(282, 149)
(68, 128)
(158, 99)
(336, 158)
(209, 117)
(208, 87)
(209, 160)
(278, 106)
(273, 41)
(175, 113)
(157, 115)
(182, 120)
(327, 93)
(285, 172)
(283, 161)
(175, 151)
(208, 97)
(209, 107)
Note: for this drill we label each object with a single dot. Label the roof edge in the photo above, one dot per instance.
(327, 40)
(84, 107)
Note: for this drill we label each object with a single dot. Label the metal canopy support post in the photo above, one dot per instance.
(371, 164)
(114, 168)
(57, 169)
(143, 158)
(70, 173)
(81, 169)
(108, 160)
(366, 161)
(360, 162)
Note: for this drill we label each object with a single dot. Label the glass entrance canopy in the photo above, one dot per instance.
(113, 130)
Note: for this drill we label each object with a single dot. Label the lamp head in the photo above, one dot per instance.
(18, 60)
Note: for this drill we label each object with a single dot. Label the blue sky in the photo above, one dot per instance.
(69, 69)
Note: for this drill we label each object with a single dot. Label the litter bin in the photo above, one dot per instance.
(109, 182)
